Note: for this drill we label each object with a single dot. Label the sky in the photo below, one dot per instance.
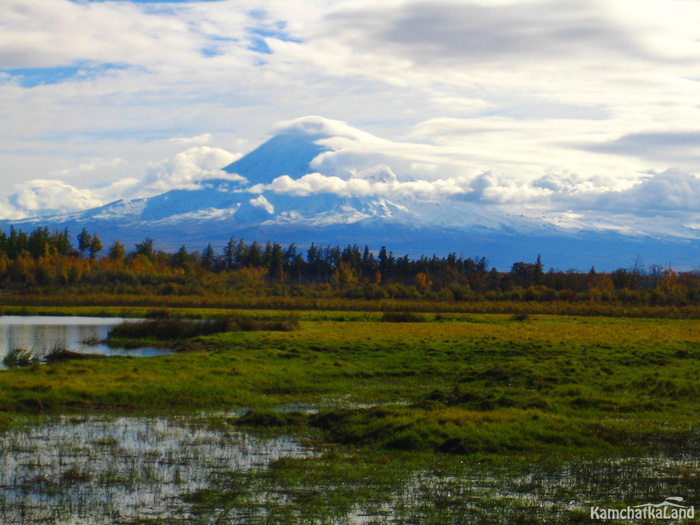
(590, 109)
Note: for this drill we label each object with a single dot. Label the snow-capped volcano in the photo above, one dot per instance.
(318, 180)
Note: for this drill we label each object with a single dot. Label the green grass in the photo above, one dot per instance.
(466, 384)
(456, 418)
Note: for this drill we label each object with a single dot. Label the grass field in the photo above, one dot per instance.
(389, 401)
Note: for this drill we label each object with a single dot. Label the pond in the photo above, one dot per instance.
(41, 334)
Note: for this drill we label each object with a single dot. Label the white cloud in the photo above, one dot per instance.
(315, 183)
(184, 170)
(199, 139)
(51, 33)
(41, 195)
(670, 191)
(87, 167)
(191, 167)
(262, 203)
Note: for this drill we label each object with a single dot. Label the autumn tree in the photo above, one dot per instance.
(117, 251)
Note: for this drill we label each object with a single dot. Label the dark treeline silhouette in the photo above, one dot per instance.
(48, 260)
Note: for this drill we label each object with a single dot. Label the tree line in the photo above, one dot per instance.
(45, 259)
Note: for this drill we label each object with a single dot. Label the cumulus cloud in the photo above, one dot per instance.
(49, 196)
(41, 196)
(315, 183)
(10, 212)
(669, 191)
(190, 167)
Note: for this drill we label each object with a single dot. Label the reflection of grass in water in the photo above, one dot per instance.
(168, 468)
(344, 485)
(126, 466)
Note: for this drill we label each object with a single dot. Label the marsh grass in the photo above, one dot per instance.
(549, 373)
(164, 327)
(483, 391)
(20, 357)
(102, 470)
(346, 485)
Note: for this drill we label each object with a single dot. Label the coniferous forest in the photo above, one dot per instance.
(45, 263)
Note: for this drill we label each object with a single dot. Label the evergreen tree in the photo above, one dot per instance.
(84, 241)
(145, 248)
(95, 246)
(241, 257)
(61, 241)
(208, 259)
(180, 258)
(230, 253)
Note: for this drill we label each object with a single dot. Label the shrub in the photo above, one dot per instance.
(402, 317)
(520, 317)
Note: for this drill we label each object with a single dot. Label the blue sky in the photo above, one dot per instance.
(581, 109)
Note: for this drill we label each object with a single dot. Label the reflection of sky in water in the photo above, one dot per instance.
(41, 334)
(132, 469)
(121, 469)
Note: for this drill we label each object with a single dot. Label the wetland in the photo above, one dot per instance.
(357, 417)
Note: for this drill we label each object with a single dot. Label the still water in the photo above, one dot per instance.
(124, 470)
(41, 334)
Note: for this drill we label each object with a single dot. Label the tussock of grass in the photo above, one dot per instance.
(452, 430)
(20, 357)
(272, 419)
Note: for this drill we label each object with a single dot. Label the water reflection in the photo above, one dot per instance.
(131, 469)
(123, 469)
(41, 334)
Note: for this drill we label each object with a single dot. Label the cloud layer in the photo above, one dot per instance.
(587, 108)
